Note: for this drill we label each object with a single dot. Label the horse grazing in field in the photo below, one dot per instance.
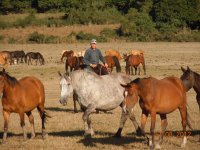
(157, 97)
(18, 55)
(190, 80)
(134, 61)
(112, 61)
(34, 56)
(22, 96)
(95, 93)
(113, 53)
(66, 54)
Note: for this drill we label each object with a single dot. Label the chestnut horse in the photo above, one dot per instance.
(73, 62)
(134, 61)
(190, 80)
(112, 61)
(113, 53)
(157, 97)
(66, 54)
(3, 61)
(22, 96)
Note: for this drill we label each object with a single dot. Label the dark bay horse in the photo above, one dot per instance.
(134, 61)
(190, 80)
(17, 55)
(157, 97)
(22, 96)
(34, 56)
(113, 61)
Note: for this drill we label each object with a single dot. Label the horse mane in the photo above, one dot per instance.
(136, 81)
(11, 80)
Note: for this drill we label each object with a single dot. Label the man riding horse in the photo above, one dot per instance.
(92, 57)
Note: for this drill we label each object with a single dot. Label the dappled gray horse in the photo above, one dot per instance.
(94, 93)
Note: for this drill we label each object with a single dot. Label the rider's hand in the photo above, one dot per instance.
(106, 65)
(93, 65)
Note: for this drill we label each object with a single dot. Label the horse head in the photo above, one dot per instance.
(66, 87)
(188, 78)
(130, 96)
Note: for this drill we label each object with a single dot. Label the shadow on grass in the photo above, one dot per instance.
(57, 109)
(110, 140)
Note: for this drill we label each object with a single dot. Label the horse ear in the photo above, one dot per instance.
(183, 69)
(125, 85)
(188, 68)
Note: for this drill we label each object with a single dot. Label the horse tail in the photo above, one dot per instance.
(117, 64)
(46, 116)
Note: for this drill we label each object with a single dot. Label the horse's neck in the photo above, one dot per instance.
(197, 83)
(8, 92)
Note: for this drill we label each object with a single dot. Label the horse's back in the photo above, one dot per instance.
(31, 86)
(104, 92)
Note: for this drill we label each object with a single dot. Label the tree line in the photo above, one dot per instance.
(147, 20)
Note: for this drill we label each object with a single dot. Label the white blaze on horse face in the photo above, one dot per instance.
(66, 89)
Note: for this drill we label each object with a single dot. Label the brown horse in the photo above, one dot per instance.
(190, 80)
(112, 61)
(134, 61)
(22, 96)
(3, 60)
(6, 55)
(113, 53)
(66, 54)
(157, 97)
(73, 62)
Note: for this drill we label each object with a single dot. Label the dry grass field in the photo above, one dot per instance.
(66, 128)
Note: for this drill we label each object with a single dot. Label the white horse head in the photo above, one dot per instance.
(66, 87)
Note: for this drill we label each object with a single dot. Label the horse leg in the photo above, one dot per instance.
(43, 117)
(124, 117)
(135, 70)
(152, 128)
(6, 116)
(164, 123)
(87, 121)
(183, 112)
(75, 98)
(139, 70)
(135, 123)
(31, 120)
(23, 124)
(143, 123)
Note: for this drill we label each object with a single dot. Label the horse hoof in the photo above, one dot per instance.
(75, 111)
(117, 136)
(32, 137)
(182, 145)
(44, 135)
(139, 132)
(157, 146)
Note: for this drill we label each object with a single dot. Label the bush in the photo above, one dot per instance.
(12, 40)
(110, 33)
(88, 36)
(35, 37)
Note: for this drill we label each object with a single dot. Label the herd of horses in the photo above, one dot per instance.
(19, 56)
(112, 58)
(103, 93)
